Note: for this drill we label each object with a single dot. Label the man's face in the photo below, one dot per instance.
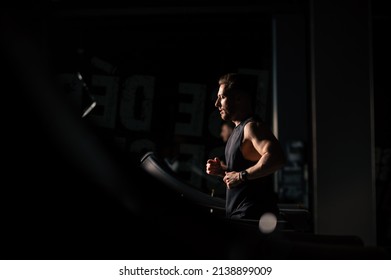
(224, 103)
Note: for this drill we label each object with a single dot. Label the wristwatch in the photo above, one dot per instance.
(243, 176)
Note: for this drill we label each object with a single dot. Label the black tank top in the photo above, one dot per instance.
(251, 199)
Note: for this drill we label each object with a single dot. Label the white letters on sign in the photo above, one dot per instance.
(136, 102)
(108, 100)
(195, 109)
(195, 164)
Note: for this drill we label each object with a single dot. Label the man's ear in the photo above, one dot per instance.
(238, 98)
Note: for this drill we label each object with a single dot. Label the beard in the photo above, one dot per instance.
(226, 115)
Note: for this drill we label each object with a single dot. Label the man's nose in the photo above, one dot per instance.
(217, 103)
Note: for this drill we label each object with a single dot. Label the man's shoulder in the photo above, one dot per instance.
(254, 120)
(254, 123)
(256, 128)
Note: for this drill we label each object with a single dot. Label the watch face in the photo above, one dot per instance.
(244, 175)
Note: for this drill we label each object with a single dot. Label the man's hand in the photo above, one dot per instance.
(232, 179)
(214, 167)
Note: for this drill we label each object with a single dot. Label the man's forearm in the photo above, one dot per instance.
(266, 165)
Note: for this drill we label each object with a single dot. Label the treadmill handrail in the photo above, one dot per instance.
(157, 168)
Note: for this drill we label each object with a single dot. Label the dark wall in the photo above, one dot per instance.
(291, 109)
(342, 119)
(382, 101)
(147, 74)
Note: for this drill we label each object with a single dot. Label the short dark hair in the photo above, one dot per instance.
(244, 84)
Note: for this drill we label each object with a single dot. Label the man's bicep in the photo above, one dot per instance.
(262, 139)
(263, 146)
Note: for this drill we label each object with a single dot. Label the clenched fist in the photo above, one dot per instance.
(214, 167)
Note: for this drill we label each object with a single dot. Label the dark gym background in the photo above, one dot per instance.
(72, 187)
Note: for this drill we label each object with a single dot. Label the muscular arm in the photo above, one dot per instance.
(260, 145)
